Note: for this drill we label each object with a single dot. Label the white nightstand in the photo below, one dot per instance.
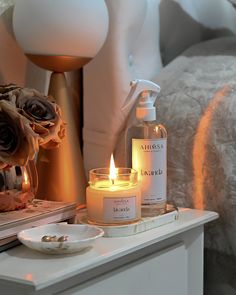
(166, 260)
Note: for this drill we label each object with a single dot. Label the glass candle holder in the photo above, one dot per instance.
(113, 201)
(18, 185)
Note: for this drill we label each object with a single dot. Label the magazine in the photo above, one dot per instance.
(38, 212)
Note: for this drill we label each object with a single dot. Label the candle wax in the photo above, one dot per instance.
(113, 203)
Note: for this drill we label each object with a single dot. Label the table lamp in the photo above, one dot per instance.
(60, 36)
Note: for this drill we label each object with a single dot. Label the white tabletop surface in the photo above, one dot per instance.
(22, 265)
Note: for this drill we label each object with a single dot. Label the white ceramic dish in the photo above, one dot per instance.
(79, 237)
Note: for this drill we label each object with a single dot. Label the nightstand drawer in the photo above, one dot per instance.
(163, 272)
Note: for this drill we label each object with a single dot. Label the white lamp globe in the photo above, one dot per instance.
(75, 28)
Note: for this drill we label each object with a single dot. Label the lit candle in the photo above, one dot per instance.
(113, 195)
(25, 183)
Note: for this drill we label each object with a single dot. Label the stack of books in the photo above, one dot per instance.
(38, 212)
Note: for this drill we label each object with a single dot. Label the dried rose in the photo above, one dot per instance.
(8, 88)
(45, 116)
(18, 142)
(9, 92)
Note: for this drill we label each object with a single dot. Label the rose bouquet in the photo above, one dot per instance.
(28, 120)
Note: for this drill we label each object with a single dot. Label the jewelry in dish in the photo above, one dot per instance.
(59, 238)
(54, 239)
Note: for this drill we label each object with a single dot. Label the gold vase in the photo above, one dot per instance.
(61, 170)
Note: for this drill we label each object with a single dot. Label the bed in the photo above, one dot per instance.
(188, 48)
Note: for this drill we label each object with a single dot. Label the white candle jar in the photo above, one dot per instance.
(113, 201)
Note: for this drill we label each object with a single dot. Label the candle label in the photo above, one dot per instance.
(149, 159)
(119, 208)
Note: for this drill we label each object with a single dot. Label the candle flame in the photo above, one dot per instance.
(26, 178)
(113, 173)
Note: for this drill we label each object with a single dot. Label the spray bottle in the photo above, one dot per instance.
(146, 144)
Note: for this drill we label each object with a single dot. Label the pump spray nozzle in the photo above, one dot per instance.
(147, 92)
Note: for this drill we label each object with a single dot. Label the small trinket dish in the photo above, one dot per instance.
(76, 237)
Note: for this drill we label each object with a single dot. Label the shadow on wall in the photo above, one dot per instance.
(179, 31)
(14, 67)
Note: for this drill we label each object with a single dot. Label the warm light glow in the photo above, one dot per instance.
(26, 182)
(29, 276)
(113, 170)
(199, 147)
(26, 178)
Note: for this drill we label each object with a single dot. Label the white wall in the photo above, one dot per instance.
(14, 67)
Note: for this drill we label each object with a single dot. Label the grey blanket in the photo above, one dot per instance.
(198, 107)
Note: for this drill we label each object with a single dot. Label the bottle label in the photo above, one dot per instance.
(149, 159)
(118, 208)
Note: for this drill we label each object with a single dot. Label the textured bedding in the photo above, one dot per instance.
(198, 107)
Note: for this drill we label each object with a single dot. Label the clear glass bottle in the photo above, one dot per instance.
(153, 136)
(146, 150)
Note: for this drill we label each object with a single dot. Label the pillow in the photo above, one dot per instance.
(185, 22)
(233, 2)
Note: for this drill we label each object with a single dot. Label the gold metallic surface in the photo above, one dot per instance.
(58, 63)
(61, 170)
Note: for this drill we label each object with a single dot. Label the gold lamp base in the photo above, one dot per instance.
(58, 63)
(61, 170)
